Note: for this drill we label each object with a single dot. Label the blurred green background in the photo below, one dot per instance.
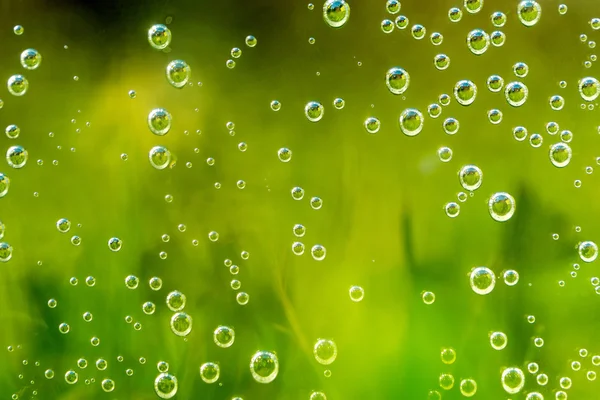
(382, 221)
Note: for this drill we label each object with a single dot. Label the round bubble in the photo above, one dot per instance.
(560, 154)
(516, 93)
(209, 372)
(482, 280)
(529, 12)
(176, 301)
(372, 125)
(501, 206)
(397, 80)
(160, 157)
(325, 351)
(17, 85)
(411, 121)
(498, 340)
(178, 73)
(513, 380)
(478, 41)
(181, 324)
(356, 293)
(16, 156)
(336, 13)
(165, 385)
(224, 336)
(495, 83)
(313, 111)
(588, 251)
(465, 92)
(589, 88)
(159, 36)
(159, 121)
(264, 366)
(470, 177)
(30, 59)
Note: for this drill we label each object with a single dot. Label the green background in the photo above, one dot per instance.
(382, 221)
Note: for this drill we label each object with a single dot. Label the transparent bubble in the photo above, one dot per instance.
(213, 236)
(235, 284)
(501, 206)
(299, 230)
(52, 303)
(498, 340)
(30, 59)
(160, 157)
(316, 203)
(275, 105)
(566, 136)
(588, 251)
(495, 83)
(159, 121)
(513, 379)
(336, 13)
(434, 110)
(162, 366)
(230, 64)
(264, 366)
(17, 85)
(462, 197)
(498, 19)
(393, 6)
(401, 22)
(209, 372)
(557, 102)
(448, 355)
(560, 154)
(520, 69)
(516, 93)
(49, 374)
(529, 12)
(224, 336)
(387, 26)
(436, 38)
(318, 252)
(132, 94)
(314, 111)
(441, 61)
(5, 252)
(159, 36)
(482, 280)
(397, 80)
(565, 382)
(18, 30)
(538, 342)
(251, 41)
(411, 121)
(64, 328)
(242, 298)
(131, 281)
(478, 41)
(536, 140)
(325, 351)
(356, 293)
(468, 387)
(297, 193)
(418, 31)
(470, 177)
(12, 131)
(165, 385)
(181, 324)
(445, 154)
(497, 38)
(178, 73)
(511, 277)
(428, 297)
(155, 283)
(372, 125)
(465, 92)
(87, 317)
(562, 10)
(495, 116)
(298, 248)
(454, 14)
(452, 209)
(552, 128)
(176, 300)
(444, 99)
(71, 377)
(95, 341)
(115, 244)
(446, 381)
(317, 396)
(589, 88)
(339, 103)
(148, 308)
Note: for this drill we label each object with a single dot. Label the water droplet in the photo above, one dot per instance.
(178, 74)
(529, 12)
(30, 59)
(264, 366)
(159, 36)
(159, 121)
(482, 280)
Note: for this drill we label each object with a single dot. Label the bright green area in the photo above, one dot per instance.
(382, 221)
